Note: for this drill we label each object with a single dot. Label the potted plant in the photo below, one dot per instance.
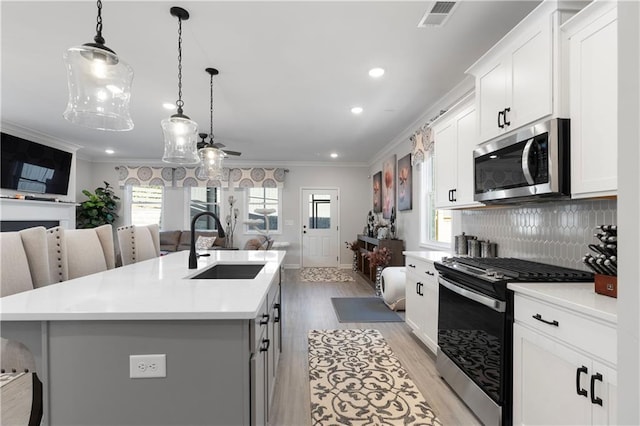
(378, 259)
(99, 209)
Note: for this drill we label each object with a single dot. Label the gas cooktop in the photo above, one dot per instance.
(508, 269)
(490, 275)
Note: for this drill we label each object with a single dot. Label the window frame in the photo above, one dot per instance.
(128, 203)
(247, 228)
(219, 203)
(427, 199)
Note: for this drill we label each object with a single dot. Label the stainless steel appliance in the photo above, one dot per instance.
(529, 164)
(475, 319)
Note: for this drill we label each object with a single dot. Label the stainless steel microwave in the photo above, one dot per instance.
(530, 164)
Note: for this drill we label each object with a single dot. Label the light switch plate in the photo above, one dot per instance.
(147, 366)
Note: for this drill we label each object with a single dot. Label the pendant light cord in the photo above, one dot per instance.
(98, 38)
(211, 111)
(179, 102)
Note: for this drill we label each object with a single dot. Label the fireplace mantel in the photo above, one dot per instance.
(26, 210)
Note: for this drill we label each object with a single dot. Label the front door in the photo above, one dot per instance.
(319, 227)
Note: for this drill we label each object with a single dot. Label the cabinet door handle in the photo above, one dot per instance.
(453, 195)
(504, 115)
(277, 307)
(500, 113)
(430, 273)
(579, 389)
(539, 318)
(594, 398)
(265, 319)
(420, 289)
(265, 345)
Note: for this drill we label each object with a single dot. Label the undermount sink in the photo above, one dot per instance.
(244, 271)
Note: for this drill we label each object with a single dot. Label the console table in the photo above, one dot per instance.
(367, 244)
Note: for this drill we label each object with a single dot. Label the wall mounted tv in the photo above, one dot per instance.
(31, 167)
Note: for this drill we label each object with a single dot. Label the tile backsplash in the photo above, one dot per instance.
(552, 232)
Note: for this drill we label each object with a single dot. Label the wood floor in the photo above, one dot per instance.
(308, 306)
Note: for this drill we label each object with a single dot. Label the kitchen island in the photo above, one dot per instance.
(220, 337)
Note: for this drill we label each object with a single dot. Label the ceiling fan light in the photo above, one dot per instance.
(99, 89)
(180, 140)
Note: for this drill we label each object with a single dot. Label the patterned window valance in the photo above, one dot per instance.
(187, 176)
(421, 144)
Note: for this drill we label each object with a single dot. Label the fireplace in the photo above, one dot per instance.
(21, 214)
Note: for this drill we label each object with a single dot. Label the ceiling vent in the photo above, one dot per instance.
(438, 15)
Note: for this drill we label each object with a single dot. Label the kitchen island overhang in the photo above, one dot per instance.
(83, 331)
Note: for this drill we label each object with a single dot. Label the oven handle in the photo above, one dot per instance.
(496, 305)
(525, 162)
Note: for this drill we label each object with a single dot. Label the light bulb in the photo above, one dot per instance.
(99, 68)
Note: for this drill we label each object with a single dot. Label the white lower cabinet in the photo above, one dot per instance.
(556, 380)
(421, 307)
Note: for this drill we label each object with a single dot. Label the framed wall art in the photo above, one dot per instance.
(388, 186)
(377, 192)
(404, 183)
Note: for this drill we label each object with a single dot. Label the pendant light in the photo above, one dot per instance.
(210, 156)
(99, 85)
(180, 132)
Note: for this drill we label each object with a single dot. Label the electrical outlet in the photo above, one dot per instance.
(147, 366)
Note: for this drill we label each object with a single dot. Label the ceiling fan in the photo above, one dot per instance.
(203, 143)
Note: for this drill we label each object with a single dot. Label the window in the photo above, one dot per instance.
(146, 204)
(205, 200)
(319, 211)
(259, 200)
(435, 223)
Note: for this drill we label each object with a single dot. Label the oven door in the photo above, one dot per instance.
(471, 333)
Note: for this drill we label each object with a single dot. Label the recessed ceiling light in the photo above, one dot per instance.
(334, 155)
(376, 72)
(168, 105)
(109, 151)
(357, 110)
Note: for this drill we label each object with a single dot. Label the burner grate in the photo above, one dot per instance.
(525, 269)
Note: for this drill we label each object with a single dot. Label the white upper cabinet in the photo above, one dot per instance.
(593, 99)
(519, 81)
(455, 138)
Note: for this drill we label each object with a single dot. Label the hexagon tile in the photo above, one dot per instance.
(557, 233)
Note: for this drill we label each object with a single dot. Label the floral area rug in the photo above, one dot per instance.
(325, 275)
(355, 379)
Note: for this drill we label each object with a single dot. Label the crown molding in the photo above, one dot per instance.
(39, 137)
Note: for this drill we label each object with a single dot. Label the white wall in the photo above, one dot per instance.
(629, 206)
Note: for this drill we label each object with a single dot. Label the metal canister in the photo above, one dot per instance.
(488, 249)
(474, 247)
(460, 245)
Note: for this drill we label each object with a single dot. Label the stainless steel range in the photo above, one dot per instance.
(475, 318)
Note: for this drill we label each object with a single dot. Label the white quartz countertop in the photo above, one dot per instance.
(428, 255)
(579, 297)
(156, 289)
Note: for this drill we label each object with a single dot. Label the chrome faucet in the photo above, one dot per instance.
(193, 257)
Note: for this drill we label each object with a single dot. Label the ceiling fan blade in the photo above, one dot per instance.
(218, 145)
(232, 152)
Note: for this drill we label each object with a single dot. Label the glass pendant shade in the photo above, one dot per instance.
(99, 89)
(180, 140)
(210, 163)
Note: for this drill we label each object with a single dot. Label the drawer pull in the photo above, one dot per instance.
(430, 273)
(265, 319)
(579, 389)
(539, 318)
(594, 398)
(411, 266)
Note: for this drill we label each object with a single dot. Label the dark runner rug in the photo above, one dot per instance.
(355, 379)
(363, 309)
